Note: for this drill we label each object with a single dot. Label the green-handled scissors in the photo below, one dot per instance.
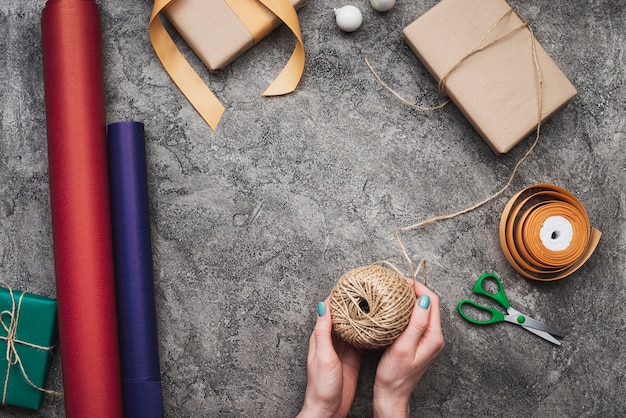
(512, 315)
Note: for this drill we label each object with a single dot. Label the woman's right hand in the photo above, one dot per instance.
(406, 360)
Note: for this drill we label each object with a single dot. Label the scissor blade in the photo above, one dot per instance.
(542, 334)
(540, 326)
(533, 323)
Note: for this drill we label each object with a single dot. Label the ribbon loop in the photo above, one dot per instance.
(185, 77)
(289, 77)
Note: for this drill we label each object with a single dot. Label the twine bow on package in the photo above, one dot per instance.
(28, 332)
(219, 31)
(489, 64)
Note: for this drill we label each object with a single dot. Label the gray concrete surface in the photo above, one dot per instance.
(254, 223)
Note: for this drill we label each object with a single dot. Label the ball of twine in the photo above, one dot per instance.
(371, 306)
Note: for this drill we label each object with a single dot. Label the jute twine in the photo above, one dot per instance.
(12, 355)
(371, 306)
(442, 89)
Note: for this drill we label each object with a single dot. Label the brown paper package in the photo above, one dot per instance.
(496, 87)
(213, 31)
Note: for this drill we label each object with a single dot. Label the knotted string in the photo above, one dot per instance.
(477, 48)
(442, 89)
(12, 356)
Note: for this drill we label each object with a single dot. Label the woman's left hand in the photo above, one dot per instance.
(332, 371)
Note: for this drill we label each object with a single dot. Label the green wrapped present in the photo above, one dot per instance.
(28, 325)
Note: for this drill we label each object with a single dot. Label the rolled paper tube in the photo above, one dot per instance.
(545, 233)
(141, 377)
(80, 206)
(371, 306)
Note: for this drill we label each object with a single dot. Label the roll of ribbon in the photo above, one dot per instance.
(141, 377)
(545, 233)
(80, 205)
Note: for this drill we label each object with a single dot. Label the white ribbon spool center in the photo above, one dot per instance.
(556, 233)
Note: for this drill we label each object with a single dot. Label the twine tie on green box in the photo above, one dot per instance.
(12, 355)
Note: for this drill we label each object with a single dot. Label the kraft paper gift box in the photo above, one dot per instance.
(496, 87)
(29, 324)
(214, 31)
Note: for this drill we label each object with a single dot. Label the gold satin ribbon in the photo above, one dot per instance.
(520, 225)
(289, 77)
(192, 86)
(253, 17)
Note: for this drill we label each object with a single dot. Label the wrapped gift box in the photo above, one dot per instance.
(215, 32)
(35, 320)
(494, 88)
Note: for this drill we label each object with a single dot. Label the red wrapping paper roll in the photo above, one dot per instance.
(79, 197)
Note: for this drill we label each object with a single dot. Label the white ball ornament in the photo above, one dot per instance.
(383, 5)
(349, 18)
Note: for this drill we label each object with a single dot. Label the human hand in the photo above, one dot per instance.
(332, 371)
(406, 360)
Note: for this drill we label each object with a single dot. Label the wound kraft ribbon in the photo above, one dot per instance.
(190, 83)
(545, 233)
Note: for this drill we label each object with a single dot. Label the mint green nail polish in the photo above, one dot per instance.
(321, 308)
(424, 301)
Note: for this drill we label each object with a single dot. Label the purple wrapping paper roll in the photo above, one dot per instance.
(141, 380)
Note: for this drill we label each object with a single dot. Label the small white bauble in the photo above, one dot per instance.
(383, 5)
(349, 18)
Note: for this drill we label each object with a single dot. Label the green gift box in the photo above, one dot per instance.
(28, 325)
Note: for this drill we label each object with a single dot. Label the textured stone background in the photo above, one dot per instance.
(254, 223)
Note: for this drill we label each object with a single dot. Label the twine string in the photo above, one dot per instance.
(12, 356)
(372, 328)
(402, 99)
(371, 306)
(477, 48)
(442, 89)
(414, 273)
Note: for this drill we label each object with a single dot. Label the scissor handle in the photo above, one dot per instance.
(499, 297)
(496, 315)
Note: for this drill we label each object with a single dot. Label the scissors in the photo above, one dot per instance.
(512, 315)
